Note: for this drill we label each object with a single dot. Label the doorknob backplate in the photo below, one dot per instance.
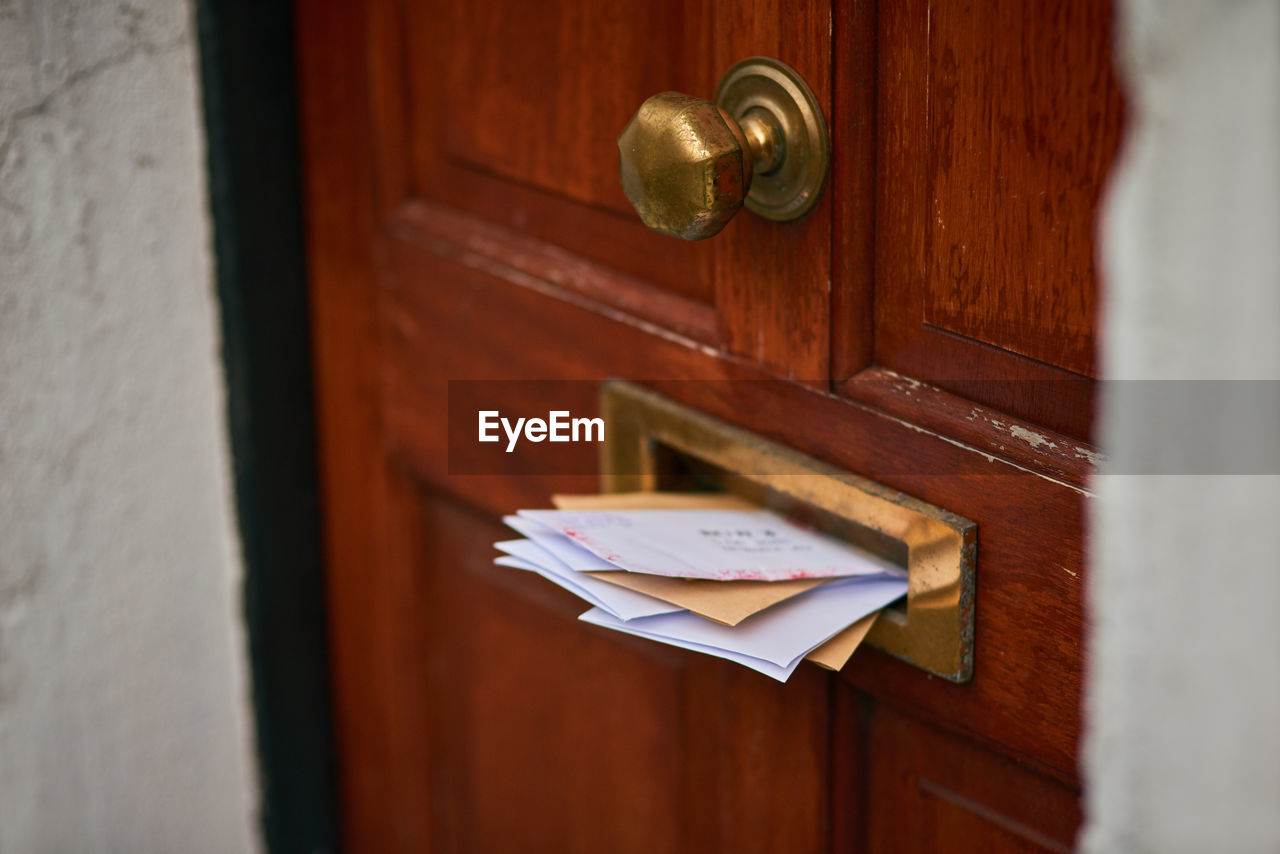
(793, 187)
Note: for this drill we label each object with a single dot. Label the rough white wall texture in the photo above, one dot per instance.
(1183, 699)
(124, 724)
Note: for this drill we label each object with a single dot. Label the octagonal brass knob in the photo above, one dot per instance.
(688, 165)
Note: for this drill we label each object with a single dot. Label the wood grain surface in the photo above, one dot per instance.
(929, 326)
(997, 123)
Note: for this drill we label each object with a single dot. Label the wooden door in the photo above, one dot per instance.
(932, 324)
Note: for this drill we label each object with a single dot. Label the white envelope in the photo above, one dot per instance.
(720, 544)
(623, 603)
(566, 550)
(786, 631)
(599, 617)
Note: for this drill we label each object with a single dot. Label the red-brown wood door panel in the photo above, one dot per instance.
(547, 735)
(510, 112)
(996, 125)
(465, 223)
(927, 791)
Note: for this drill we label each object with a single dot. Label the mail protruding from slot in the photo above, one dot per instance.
(709, 573)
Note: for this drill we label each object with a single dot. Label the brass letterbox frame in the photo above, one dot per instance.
(936, 630)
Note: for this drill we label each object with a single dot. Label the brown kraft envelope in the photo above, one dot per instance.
(727, 602)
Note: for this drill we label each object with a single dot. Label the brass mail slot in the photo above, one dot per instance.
(653, 443)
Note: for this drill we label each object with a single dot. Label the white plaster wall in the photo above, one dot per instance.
(1183, 697)
(124, 723)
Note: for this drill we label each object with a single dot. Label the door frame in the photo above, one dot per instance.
(255, 196)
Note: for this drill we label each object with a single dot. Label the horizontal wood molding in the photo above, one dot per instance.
(538, 264)
(528, 263)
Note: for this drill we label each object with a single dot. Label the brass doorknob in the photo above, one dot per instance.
(688, 165)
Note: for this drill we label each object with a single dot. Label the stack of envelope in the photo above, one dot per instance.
(708, 573)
